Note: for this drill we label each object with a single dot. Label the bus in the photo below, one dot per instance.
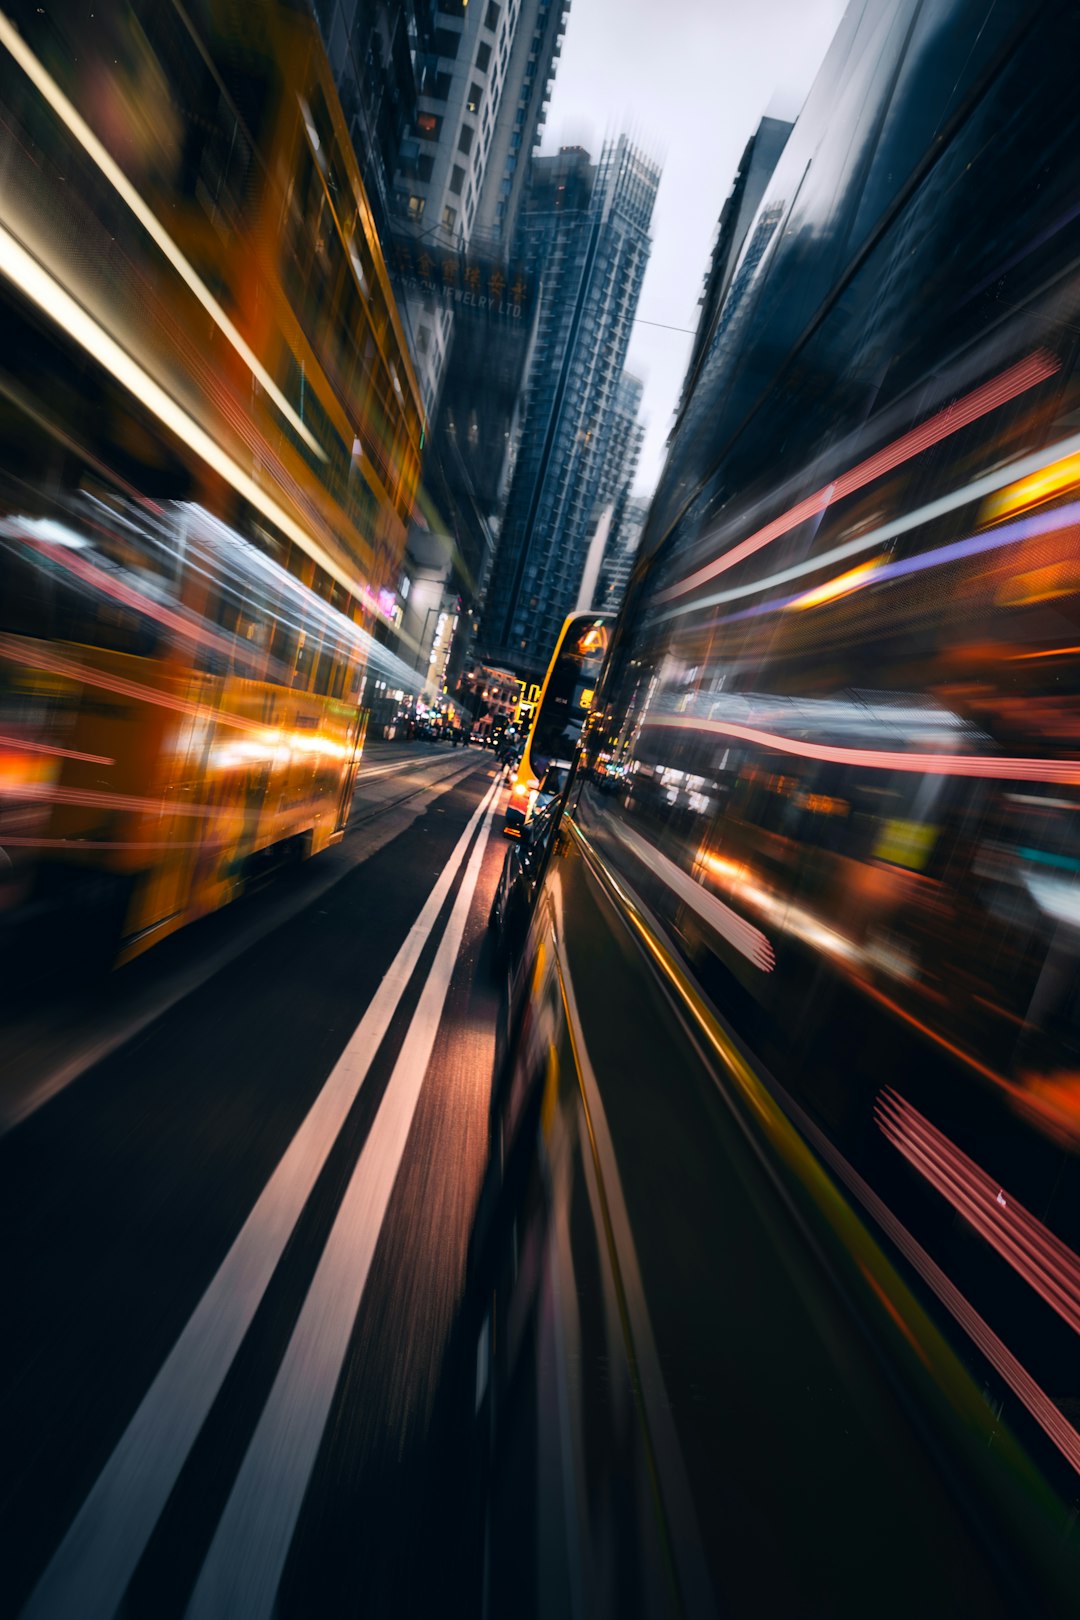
(562, 711)
(210, 437)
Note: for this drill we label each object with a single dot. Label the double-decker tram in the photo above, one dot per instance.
(790, 1108)
(562, 713)
(209, 450)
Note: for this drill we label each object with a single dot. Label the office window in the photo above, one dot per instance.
(447, 42)
(449, 217)
(428, 126)
(416, 206)
(457, 179)
(483, 57)
(465, 139)
(475, 97)
(491, 16)
(436, 85)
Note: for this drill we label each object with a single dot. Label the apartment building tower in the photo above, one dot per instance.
(584, 233)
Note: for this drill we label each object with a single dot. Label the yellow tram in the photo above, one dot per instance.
(210, 438)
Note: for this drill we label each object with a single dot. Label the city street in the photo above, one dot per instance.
(539, 810)
(235, 1169)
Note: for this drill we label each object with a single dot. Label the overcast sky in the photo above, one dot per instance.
(688, 80)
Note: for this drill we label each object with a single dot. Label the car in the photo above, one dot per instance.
(522, 870)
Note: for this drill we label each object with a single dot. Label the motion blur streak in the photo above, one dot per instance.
(57, 663)
(788, 1126)
(876, 573)
(1049, 1265)
(988, 484)
(36, 283)
(1020, 1381)
(747, 940)
(881, 759)
(833, 588)
(86, 138)
(24, 745)
(184, 624)
(1015, 381)
(48, 793)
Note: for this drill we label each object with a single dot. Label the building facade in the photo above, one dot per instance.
(584, 234)
(620, 554)
(372, 46)
(483, 75)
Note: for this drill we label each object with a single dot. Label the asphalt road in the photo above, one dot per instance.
(237, 1183)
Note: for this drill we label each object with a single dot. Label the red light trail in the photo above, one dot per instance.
(1001, 768)
(1042, 1259)
(1017, 380)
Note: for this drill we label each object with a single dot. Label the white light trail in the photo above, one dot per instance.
(80, 129)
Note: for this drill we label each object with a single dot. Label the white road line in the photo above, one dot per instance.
(243, 1567)
(91, 1569)
(365, 840)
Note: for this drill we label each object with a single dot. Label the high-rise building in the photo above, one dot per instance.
(479, 382)
(483, 75)
(620, 554)
(624, 446)
(371, 45)
(535, 47)
(584, 233)
(624, 449)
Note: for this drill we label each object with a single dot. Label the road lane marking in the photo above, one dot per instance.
(366, 838)
(247, 1555)
(91, 1569)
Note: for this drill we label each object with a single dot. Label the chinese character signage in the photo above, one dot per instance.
(459, 280)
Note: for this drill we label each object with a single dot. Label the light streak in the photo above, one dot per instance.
(79, 844)
(23, 745)
(1024, 375)
(841, 585)
(1034, 1252)
(882, 759)
(184, 624)
(1051, 652)
(746, 939)
(35, 282)
(1011, 534)
(99, 799)
(1040, 486)
(15, 651)
(875, 538)
(80, 129)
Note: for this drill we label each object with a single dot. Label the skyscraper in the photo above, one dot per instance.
(535, 47)
(624, 446)
(619, 556)
(620, 464)
(483, 73)
(370, 45)
(584, 232)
